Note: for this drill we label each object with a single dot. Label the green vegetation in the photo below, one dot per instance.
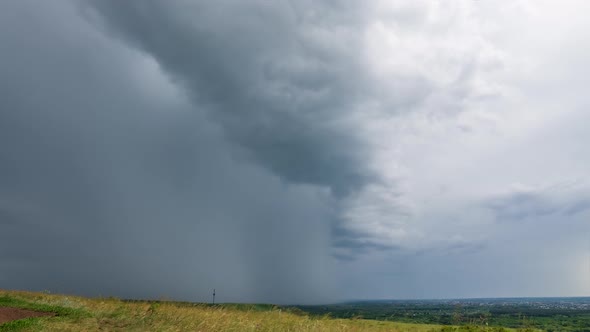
(542, 315)
(110, 314)
(60, 311)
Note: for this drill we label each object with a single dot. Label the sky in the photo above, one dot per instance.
(295, 151)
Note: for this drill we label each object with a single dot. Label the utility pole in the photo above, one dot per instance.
(213, 295)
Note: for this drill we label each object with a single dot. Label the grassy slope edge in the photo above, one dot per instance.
(109, 314)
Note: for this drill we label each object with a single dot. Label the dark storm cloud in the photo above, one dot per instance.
(290, 83)
(114, 184)
(166, 148)
(348, 245)
(279, 77)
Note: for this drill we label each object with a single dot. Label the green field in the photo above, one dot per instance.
(548, 314)
(110, 314)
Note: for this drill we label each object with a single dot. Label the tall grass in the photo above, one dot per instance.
(110, 314)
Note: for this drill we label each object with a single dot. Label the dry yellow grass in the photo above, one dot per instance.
(115, 315)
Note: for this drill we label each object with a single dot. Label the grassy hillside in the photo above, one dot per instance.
(77, 314)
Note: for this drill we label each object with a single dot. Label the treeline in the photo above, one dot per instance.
(518, 316)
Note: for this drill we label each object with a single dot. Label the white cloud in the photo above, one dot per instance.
(506, 113)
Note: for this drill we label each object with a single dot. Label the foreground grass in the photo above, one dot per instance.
(108, 314)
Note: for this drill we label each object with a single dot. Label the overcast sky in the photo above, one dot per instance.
(295, 151)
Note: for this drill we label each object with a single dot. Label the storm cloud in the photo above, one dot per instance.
(113, 183)
(276, 77)
(294, 151)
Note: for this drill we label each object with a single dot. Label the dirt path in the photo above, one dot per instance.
(9, 314)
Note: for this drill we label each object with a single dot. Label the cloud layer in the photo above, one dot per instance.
(294, 151)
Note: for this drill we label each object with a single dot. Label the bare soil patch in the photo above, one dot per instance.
(10, 314)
